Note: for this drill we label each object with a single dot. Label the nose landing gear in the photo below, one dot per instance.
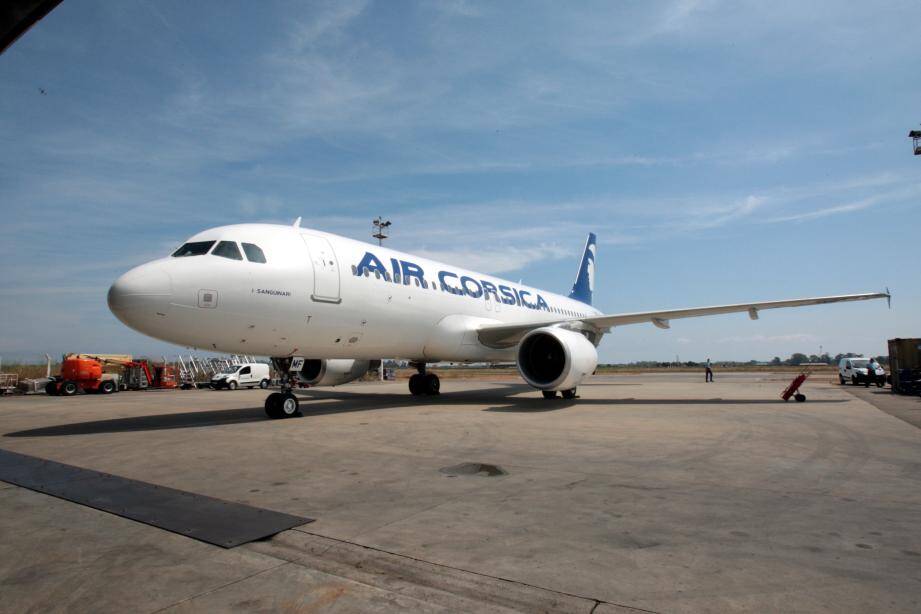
(282, 404)
(423, 383)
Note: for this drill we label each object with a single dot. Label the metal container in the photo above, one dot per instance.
(904, 363)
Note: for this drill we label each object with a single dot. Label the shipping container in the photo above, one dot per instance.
(905, 364)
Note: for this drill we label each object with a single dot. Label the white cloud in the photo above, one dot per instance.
(499, 260)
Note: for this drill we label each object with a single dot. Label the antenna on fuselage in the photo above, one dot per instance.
(297, 222)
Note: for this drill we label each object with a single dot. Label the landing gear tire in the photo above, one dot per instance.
(69, 389)
(415, 384)
(548, 394)
(231, 385)
(799, 397)
(424, 384)
(107, 387)
(264, 384)
(281, 405)
(271, 404)
(569, 394)
(431, 385)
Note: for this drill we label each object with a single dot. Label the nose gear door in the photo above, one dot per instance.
(325, 269)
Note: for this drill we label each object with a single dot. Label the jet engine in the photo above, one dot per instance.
(333, 371)
(555, 358)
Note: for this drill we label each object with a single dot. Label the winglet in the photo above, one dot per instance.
(585, 280)
(297, 222)
(888, 298)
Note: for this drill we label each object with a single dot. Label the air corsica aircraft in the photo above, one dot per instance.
(326, 308)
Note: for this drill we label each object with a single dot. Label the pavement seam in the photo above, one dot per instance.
(223, 586)
(476, 573)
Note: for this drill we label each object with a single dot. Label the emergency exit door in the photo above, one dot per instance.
(325, 269)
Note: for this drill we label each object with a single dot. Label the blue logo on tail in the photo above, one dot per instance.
(585, 281)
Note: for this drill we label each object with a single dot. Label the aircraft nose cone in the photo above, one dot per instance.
(141, 294)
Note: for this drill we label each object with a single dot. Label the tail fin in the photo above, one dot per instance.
(585, 280)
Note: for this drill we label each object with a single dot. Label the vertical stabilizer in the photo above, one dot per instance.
(585, 280)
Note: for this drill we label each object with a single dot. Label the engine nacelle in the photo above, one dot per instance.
(332, 371)
(555, 358)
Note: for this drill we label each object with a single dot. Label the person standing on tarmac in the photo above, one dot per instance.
(709, 373)
(872, 365)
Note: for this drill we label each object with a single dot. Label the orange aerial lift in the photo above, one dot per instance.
(85, 372)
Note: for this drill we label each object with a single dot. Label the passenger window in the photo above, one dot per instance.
(245, 371)
(227, 249)
(195, 248)
(253, 253)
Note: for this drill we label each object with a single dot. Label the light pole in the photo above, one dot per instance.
(380, 228)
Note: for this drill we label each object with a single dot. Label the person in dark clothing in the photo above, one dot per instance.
(872, 365)
(709, 373)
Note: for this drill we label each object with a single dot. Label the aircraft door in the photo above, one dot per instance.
(325, 269)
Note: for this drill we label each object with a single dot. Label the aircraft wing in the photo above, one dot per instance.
(508, 335)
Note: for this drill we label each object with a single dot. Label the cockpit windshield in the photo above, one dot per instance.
(227, 249)
(254, 253)
(195, 248)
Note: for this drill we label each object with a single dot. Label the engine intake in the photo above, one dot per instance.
(555, 358)
(333, 371)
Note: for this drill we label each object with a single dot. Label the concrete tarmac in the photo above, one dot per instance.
(649, 493)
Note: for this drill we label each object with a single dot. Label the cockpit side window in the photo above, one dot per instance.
(195, 248)
(227, 249)
(253, 253)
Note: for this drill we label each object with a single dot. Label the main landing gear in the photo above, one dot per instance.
(282, 404)
(423, 383)
(567, 394)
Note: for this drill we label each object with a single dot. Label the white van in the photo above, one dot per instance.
(249, 374)
(854, 370)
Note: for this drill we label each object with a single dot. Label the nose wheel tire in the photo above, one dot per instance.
(569, 394)
(281, 405)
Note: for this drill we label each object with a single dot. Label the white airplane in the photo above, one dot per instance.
(325, 308)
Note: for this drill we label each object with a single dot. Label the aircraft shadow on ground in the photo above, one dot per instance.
(322, 402)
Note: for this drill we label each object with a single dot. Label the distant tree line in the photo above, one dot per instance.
(795, 359)
(798, 358)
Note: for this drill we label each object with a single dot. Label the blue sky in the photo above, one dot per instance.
(722, 151)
